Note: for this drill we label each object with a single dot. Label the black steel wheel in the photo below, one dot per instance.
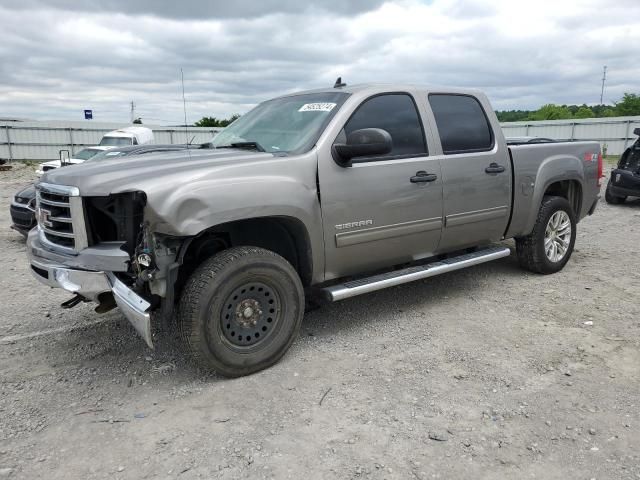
(252, 312)
(241, 310)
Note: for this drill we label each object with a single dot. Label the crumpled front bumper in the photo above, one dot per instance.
(90, 284)
(624, 183)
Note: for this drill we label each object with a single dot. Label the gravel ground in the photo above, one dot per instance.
(489, 372)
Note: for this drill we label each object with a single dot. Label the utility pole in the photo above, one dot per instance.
(133, 110)
(604, 78)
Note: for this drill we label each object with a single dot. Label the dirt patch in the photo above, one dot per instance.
(490, 372)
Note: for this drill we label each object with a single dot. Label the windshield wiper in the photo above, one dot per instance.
(245, 145)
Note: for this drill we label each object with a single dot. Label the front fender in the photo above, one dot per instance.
(190, 209)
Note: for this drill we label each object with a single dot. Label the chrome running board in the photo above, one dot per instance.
(410, 274)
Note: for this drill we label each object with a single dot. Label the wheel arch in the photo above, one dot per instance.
(284, 235)
(558, 175)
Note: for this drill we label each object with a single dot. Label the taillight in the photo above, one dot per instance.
(600, 168)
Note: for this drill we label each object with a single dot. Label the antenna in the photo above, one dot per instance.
(604, 78)
(339, 83)
(133, 111)
(184, 106)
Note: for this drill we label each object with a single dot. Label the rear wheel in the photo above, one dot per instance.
(241, 310)
(612, 199)
(548, 247)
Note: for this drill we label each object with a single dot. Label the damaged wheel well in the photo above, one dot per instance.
(285, 236)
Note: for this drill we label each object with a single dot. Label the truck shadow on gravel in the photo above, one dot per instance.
(113, 347)
(366, 311)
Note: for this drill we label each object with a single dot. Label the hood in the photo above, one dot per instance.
(150, 172)
(27, 193)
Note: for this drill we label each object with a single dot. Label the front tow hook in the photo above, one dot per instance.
(73, 301)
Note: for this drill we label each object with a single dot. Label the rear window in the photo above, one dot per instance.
(462, 123)
(115, 141)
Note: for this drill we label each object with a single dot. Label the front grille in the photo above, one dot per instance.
(60, 217)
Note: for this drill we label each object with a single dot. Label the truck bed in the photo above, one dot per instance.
(536, 163)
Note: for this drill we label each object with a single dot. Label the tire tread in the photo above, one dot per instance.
(189, 321)
(529, 255)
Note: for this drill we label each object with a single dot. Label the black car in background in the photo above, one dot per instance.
(23, 213)
(23, 210)
(625, 178)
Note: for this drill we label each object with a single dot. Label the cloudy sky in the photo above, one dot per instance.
(58, 57)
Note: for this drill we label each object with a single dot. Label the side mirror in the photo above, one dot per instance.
(366, 142)
(636, 131)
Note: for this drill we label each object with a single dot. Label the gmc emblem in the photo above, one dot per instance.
(43, 217)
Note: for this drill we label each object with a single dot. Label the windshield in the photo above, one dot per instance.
(290, 124)
(115, 141)
(86, 154)
(111, 153)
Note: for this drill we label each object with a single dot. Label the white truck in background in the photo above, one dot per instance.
(116, 138)
(127, 136)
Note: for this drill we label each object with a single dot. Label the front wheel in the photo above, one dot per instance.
(548, 247)
(241, 310)
(612, 199)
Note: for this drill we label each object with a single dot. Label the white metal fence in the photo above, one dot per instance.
(44, 140)
(614, 133)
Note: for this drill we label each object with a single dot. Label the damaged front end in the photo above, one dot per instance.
(100, 249)
(625, 178)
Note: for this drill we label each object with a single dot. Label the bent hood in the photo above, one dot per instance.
(150, 172)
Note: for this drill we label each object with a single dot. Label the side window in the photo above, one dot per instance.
(396, 113)
(462, 123)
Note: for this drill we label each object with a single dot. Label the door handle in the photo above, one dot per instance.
(423, 177)
(494, 168)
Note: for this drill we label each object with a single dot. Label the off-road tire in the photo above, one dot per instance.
(612, 199)
(530, 249)
(207, 299)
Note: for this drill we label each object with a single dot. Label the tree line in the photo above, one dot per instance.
(216, 122)
(628, 105)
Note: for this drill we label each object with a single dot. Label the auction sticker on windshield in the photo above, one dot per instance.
(317, 107)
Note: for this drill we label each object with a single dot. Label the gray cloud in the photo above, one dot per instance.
(198, 9)
(57, 58)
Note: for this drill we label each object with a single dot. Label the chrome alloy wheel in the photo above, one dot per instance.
(557, 236)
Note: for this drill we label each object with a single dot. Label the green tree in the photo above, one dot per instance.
(208, 122)
(629, 105)
(584, 112)
(216, 122)
(551, 112)
(230, 120)
(512, 115)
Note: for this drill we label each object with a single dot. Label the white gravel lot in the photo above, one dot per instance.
(489, 372)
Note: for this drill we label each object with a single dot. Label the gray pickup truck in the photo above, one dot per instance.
(339, 191)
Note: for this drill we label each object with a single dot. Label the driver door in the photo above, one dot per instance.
(376, 213)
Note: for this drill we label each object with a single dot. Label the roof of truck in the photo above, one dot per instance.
(128, 131)
(373, 88)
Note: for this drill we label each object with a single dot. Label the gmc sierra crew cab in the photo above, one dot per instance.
(340, 191)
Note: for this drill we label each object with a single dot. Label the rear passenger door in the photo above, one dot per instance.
(476, 172)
